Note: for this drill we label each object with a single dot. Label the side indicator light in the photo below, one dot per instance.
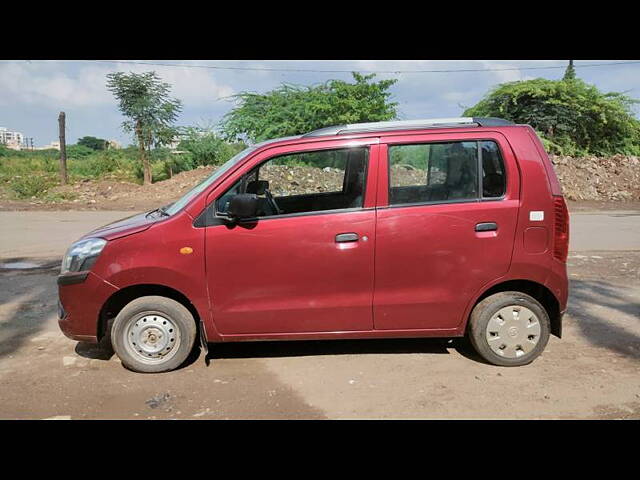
(186, 250)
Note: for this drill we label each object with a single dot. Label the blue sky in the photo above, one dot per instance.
(33, 93)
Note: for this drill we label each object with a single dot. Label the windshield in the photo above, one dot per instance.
(186, 198)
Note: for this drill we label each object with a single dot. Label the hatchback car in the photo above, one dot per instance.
(423, 228)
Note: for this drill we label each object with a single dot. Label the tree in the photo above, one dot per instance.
(573, 118)
(92, 143)
(293, 109)
(570, 72)
(144, 99)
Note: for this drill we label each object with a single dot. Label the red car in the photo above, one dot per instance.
(423, 228)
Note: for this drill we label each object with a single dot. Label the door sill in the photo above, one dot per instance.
(407, 333)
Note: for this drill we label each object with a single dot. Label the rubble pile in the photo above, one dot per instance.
(604, 179)
(298, 180)
(599, 178)
(115, 195)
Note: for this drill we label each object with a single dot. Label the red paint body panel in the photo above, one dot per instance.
(536, 240)
(81, 303)
(121, 228)
(430, 260)
(153, 257)
(291, 276)
(419, 273)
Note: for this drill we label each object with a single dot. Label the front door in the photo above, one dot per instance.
(445, 226)
(306, 264)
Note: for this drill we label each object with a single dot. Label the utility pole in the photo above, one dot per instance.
(64, 179)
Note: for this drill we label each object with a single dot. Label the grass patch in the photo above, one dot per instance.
(31, 174)
(30, 186)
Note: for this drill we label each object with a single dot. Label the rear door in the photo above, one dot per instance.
(306, 264)
(446, 222)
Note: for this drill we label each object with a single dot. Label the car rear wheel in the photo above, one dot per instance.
(153, 334)
(509, 329)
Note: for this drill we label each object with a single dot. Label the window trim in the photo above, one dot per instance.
(480, 198)
(504, 171)
(365, 180)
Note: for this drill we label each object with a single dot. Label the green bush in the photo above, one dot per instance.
(572, 117)
(100, 163)
(205, 147)
(30, 185)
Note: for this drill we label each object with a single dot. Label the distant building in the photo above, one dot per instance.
(13, 140)
(174, 143)
(55, 145)
(113, 145)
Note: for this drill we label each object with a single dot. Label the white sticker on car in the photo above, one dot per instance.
(536, 216)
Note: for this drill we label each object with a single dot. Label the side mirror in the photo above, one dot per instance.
(258, 187)
(243, 206)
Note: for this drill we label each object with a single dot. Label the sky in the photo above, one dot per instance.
(33, 93)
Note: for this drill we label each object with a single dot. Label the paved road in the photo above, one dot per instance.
(48, 234)
(605, 231)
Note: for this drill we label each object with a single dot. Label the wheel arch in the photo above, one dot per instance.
(122, 297)
(534, 289)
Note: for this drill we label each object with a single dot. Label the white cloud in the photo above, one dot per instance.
(37, 83)
(74, 84)
(191, 85)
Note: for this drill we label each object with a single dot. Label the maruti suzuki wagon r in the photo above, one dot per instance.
(423, 228)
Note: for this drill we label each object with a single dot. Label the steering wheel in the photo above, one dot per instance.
(272, 202)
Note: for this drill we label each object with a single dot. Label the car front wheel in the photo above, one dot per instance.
(153, 334)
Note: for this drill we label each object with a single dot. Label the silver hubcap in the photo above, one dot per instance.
(513, 331)
(152, 338)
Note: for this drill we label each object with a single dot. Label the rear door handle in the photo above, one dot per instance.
(347, 237)
(486, 227)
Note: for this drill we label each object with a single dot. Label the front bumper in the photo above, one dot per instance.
(80, 299)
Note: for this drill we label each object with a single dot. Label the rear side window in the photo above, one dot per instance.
(444, 172)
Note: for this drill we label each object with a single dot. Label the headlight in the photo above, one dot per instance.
(82, 255)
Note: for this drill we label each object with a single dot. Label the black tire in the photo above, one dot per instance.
(148, 307)
(481, 315)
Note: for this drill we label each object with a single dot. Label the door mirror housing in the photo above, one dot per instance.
(258, 187)
(243, 206)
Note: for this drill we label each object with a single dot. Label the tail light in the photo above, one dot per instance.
(560, 229)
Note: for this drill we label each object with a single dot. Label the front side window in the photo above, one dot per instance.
(305, 182)
(444, 172)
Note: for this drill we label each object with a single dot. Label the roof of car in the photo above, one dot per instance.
(409, 125)
(395, 125)
(275, 140)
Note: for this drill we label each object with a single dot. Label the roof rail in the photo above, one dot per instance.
(410, 125)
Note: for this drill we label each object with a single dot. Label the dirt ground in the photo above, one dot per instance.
(593, 372)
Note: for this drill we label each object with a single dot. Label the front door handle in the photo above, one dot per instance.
(487, 227)
(347, 237)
